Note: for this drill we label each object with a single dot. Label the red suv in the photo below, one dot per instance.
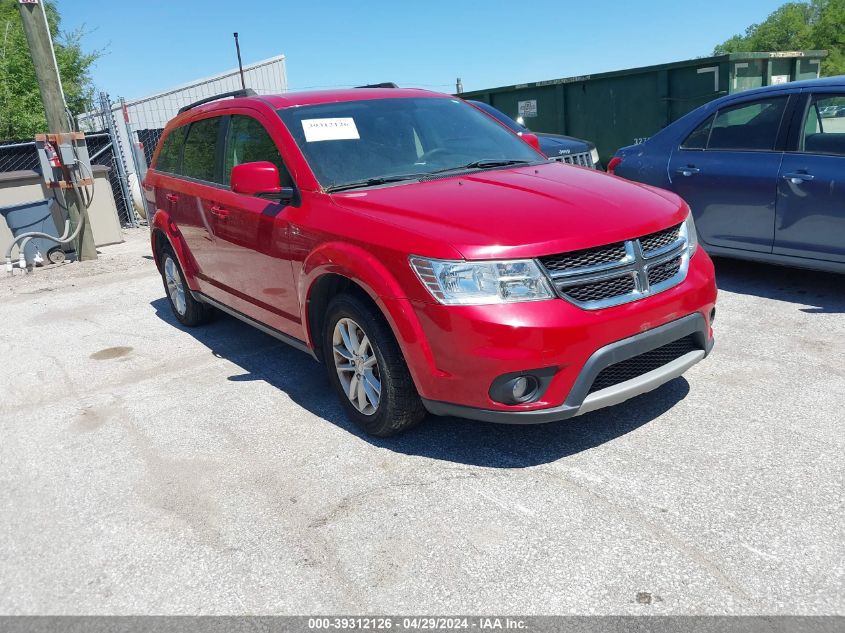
(430, 257)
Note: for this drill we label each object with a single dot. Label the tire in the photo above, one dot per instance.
(186, 309)
(399, 406)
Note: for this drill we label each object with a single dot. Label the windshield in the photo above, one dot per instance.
(356, 142)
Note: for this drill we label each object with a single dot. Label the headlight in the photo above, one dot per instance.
(594, 156)
(482, 283)
(688, 231)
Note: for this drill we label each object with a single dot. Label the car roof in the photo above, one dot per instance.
(313, 97)
(306, 98)
(792, 86)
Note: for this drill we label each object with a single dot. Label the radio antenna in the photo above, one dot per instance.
(240, 63)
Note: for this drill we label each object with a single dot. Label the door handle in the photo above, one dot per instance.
(171, 197)
(798, 177)
(689, 170)
(219, 211)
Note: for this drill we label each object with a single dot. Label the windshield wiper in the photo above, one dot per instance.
(485, 163)
(372, 182)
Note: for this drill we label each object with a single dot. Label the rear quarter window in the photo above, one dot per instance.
(698, 137)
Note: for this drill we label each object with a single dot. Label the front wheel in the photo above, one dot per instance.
(367, 369)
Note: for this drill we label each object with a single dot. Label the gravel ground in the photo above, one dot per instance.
(147, 468)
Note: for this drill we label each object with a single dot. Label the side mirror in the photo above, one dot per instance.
(532, 140)
(261, 179)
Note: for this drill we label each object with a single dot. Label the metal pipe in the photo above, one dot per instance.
(16, 145)
(122, 176)
(100, 151)
(66, 237)
(25, 237)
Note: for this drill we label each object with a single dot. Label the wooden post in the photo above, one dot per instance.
(37, 31)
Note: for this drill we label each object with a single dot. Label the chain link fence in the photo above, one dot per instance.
(17, 156)
(102, 151)
(123, 135)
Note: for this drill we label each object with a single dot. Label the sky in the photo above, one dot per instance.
(151, 45)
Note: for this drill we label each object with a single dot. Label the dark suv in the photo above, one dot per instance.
(558, 147)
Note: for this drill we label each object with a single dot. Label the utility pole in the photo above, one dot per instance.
(37, 31)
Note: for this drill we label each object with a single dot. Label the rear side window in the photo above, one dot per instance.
(748, 126)
(247, 142)
(698, 138)
(199, 155)
(168, 157)
(824, 126)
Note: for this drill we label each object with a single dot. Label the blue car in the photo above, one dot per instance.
(762, 170)
(560, 148)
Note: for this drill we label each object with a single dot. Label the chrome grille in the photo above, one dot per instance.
(582, 159)
(643, 363)
(617, 273)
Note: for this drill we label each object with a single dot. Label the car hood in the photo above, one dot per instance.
(521, 212)
(558, 145)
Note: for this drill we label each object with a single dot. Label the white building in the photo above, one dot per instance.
(147, 116)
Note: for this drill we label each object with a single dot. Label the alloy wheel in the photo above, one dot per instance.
(175, 288)
(357, 366)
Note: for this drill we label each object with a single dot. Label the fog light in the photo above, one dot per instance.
(520, 388)
(523, 388)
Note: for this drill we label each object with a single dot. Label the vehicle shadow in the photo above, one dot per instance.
(821, 292)
(262, 357)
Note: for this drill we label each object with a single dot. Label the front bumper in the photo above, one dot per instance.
(472, 346)
(579, 400)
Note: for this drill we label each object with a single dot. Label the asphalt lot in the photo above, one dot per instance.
(146, 468)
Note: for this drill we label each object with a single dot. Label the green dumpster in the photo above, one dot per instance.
(625, 107)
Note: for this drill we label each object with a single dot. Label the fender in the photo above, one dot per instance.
(360, 266)
(163, 223)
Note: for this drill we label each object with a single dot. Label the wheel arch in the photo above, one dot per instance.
(164, 233)
(344, 268)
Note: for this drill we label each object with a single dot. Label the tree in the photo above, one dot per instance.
(813, 25)
(21, 111)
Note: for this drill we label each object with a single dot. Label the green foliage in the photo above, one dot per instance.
(21, 110)
(813, 25)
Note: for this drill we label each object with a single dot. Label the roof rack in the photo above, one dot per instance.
(246, 92)
(386, 84)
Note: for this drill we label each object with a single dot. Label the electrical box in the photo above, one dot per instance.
(64, 160)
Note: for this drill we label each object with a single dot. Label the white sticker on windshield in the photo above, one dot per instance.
(339, 129)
